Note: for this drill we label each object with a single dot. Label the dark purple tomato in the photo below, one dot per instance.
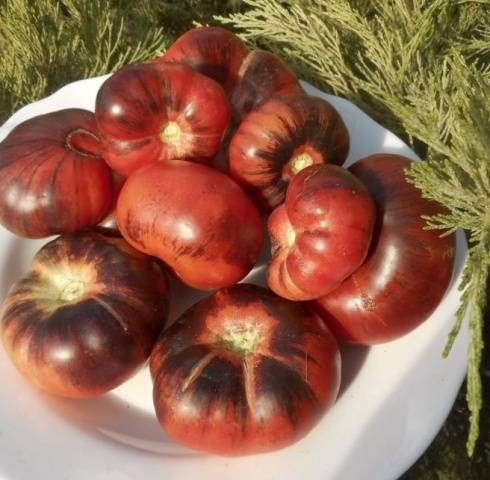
(53, 178)
(195, 219)
(158, 113)
(321, 234)
(283, 135)
(248, 77)
(261, 75)
(212, 51)
(85, 316)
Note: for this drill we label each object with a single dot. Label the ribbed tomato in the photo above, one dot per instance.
(244, 371)
(408, 268)
(85, 316)
(279, 138)
(148, 113)
(321, 234)
(53, 178)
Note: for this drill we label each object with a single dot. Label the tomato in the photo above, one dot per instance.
(85, 316)
(321, 234)
(148, 113)
(279, 138)
(407, 270)
(212, 51)
(244, 371)
(195, 219)
(261, 75)
(53, 178)
(248, 77)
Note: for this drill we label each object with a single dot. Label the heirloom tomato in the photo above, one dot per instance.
(85, 316)
(244, 371)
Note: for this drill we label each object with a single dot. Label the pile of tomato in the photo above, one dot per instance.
(176, 171)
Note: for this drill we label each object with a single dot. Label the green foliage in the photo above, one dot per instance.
(47, 43)
(180, 15)
(421, 68)
(457, 175)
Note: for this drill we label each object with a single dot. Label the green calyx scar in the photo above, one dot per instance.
(242, 340)
(170, 133)
(301, 161)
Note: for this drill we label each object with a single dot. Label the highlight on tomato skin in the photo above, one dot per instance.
(212, 51)
(321, 234)
(53, 178)
(85, 316)
(279, 138)
(195, 219)
(407, 270)
(162, 112)
(244, 371)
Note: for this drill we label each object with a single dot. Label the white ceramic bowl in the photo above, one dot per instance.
(394, 397)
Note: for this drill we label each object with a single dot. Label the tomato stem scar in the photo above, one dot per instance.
(241, 340)
(170, 132)
(72, 290)
(301, 161)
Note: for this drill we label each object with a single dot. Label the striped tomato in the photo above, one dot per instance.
(85, 316)
(244, 371)
(53, 178)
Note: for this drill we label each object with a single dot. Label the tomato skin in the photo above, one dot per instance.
(53, 178)
(248, 77)
(150, 113)
(407, 270)
(261, 75)
(193, 218)
(321, 234)
(283, 135)
(85, 316)
(211, 396)
(212, 51)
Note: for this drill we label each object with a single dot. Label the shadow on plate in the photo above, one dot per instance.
(109, 417)
(405, 423)
(353, 358)
(17, 257)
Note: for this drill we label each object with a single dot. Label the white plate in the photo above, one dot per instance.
(393, 401)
